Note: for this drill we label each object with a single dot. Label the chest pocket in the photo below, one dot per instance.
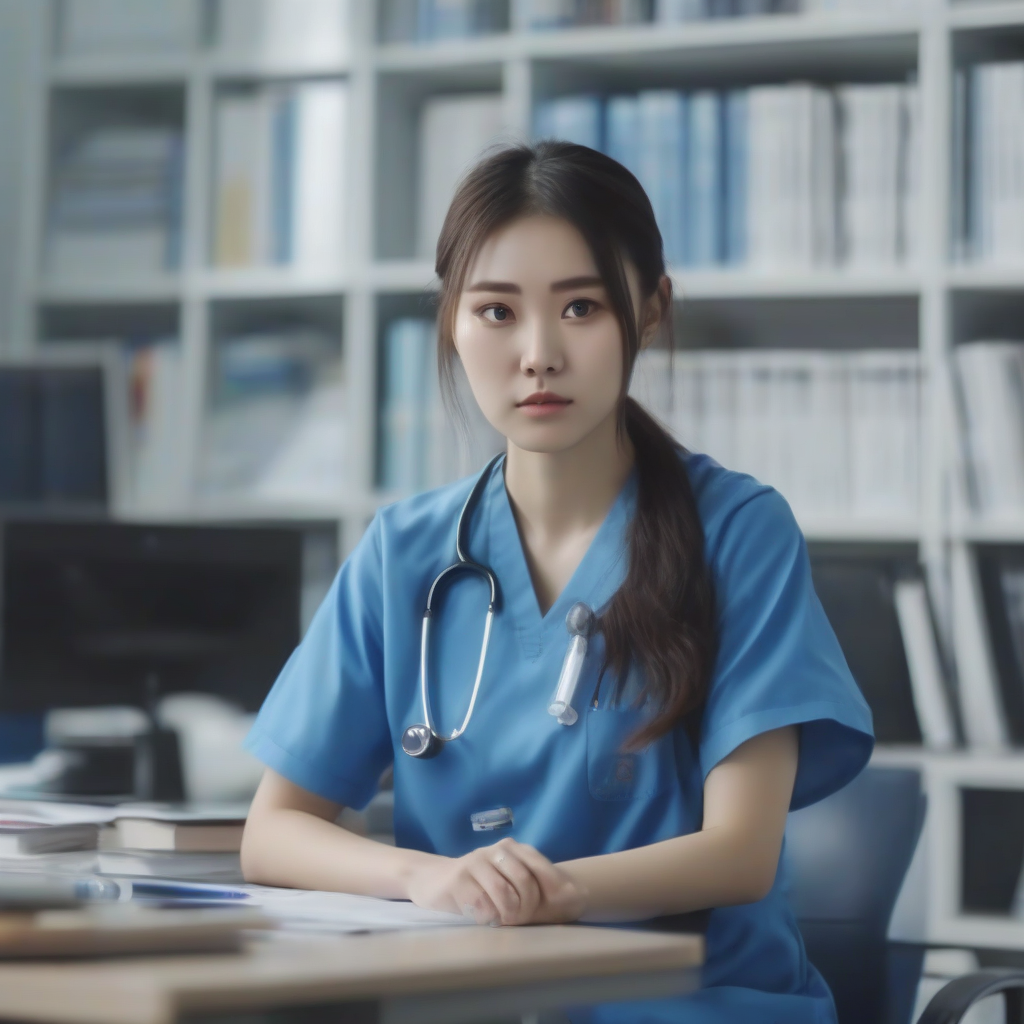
(614, 773)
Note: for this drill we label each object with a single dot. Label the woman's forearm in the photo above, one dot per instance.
(291, 840)
(706, 869)
(294, 848)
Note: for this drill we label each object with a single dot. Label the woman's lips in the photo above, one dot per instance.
(543, 404)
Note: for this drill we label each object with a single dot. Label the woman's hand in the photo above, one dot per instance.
(508, 883)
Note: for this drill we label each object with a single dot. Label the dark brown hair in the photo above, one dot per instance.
(662, 619)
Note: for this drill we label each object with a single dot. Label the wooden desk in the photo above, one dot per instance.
(437, 976)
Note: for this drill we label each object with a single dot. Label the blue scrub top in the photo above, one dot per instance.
(334, 719)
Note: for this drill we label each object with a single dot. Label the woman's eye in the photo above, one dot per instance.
(579, 308)
(496, 314)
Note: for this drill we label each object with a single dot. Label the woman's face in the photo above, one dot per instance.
(539, 341)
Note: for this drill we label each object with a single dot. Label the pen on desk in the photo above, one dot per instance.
(147, 889)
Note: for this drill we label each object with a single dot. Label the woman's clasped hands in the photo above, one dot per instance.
(506, 884)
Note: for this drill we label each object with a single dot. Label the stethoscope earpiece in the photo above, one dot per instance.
(421, 741)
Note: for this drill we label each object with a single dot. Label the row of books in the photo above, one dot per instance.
(776, 177)
(419, 444)
(426, 20)
(276, 426)
(300, 30)
(52, 436)
(116, 201)
(280, 183)
(990, 375)
(988, 157)
(838, 433)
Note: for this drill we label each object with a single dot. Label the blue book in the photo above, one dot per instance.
(72, 436)
(622, 131)
(282, 176)
(736, 160)
(19, 435)
(704, 180)
(571, 119)
(403, 426)
(663, 162)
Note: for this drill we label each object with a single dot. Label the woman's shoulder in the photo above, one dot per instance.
(729, 502)
(425, 518)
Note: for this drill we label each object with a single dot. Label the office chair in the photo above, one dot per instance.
(848, 856)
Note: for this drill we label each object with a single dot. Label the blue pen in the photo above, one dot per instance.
(184, 891)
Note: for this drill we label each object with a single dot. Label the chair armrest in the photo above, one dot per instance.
(953, 1000)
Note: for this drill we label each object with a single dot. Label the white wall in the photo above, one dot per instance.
(19, 24)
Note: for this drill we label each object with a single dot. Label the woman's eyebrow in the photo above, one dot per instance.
(587, 281)
(495, 286)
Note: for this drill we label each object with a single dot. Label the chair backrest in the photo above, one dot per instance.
(847, 857)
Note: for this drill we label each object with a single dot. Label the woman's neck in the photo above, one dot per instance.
(555, 493)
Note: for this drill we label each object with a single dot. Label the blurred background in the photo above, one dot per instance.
(217, 220)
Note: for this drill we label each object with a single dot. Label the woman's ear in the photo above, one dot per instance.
(654, 311)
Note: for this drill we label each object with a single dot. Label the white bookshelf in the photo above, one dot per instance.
(387, 84)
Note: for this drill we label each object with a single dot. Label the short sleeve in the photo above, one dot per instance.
(323, 725)
(779, 661)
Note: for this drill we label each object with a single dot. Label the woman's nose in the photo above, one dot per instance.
(543, 353)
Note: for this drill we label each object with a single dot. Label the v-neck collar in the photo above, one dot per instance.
(599, 574)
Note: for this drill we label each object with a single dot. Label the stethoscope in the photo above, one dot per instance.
(423, 740)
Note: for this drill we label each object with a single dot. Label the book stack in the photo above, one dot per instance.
(425, 20)
(279, 188)
(549, 14)
(301, 31)
(988, 152)
(837, 433)
(109, 26)
(419, 446)
(115, 202)
(134, 840)
(990, 375)
(276, 427)
(454, 131)
(835, 170)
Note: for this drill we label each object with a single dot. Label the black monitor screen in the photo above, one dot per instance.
(52, 436)
(96, 613)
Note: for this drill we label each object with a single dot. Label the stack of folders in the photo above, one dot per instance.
(991, 390)
(836, 169)
(116, 202)
(836, 432)
(276, 427)
(419, 445)
(311, 31)
(108, 26)
(130, 840)
(280, 166)
(988, 148)
(426, 20)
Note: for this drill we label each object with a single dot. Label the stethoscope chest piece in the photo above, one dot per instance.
(422, 742)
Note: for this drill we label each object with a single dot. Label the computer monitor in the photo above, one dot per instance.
(100, 613)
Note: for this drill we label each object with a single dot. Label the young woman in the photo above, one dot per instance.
(713, 697)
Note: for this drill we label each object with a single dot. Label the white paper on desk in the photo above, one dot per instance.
(311, 911)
